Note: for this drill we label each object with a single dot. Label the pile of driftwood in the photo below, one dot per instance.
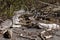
(29, 20)
(47, 19)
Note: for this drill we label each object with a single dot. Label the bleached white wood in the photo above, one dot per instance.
(50, 26)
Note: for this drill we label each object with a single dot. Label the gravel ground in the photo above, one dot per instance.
(28, 34)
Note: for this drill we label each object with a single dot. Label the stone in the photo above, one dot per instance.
(8, 34)
(5, 24)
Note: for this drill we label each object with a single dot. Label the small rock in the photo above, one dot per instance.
(21, 34)
(7, 34)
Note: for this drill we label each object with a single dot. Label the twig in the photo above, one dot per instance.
(47, 3)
